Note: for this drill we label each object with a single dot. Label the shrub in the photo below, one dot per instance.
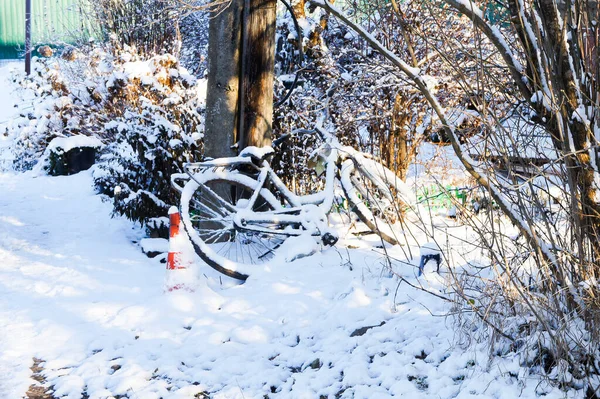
(159, 131)
(144, 110)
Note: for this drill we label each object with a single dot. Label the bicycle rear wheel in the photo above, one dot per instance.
(209, 202)
(377, 196)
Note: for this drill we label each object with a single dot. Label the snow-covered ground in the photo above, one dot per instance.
(77, 292)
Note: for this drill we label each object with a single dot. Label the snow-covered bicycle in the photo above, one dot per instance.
(238, 213)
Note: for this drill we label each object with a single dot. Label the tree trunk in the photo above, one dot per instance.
(258, 70)
(222, 100)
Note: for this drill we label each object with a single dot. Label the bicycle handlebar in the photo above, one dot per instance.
(299, 132)
(296, 132)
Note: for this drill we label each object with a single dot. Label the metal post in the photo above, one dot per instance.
(27, 37)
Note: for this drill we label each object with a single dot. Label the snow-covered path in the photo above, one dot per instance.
(63, 263)
(76, 291)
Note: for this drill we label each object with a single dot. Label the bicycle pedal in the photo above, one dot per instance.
(329, 239)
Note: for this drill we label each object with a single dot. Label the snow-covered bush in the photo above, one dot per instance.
(155, 130)
(534, 65)
(146, 111)
(55, 111)
(155, 136)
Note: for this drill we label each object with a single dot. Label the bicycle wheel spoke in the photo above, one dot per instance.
(209, 215)
(211, 206)
(207, 211)
(216, 234)
(261, 242)
(217, 201)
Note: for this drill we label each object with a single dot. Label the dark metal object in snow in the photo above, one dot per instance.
(72, 161)
(426, 258)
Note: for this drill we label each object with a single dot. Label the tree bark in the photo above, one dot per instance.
(222, 99)
(258, 71)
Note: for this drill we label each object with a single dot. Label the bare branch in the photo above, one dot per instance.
(494, 36)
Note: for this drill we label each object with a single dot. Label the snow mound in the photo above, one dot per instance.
(66, 144)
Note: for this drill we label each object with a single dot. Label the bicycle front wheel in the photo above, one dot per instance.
(209, 203)
(377, 196)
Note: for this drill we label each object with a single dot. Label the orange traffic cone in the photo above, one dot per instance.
(178, 267)
(174, 256)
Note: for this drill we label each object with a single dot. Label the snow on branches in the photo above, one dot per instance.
(146, 111)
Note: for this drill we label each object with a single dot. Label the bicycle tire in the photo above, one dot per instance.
(208, 221)
(376, 195)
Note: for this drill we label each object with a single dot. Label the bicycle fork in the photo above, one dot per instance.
(315, 219)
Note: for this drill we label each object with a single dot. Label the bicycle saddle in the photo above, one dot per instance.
(257, 154)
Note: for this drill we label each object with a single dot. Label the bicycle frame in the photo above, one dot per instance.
(299, 213)
(238, 212)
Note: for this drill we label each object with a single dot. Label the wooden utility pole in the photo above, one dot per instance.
(222, 92)
(241, 63)
(258, 65)
(27, 37)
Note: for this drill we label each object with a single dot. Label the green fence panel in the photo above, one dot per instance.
(52, 21)
(12, 28)
(436, 197)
